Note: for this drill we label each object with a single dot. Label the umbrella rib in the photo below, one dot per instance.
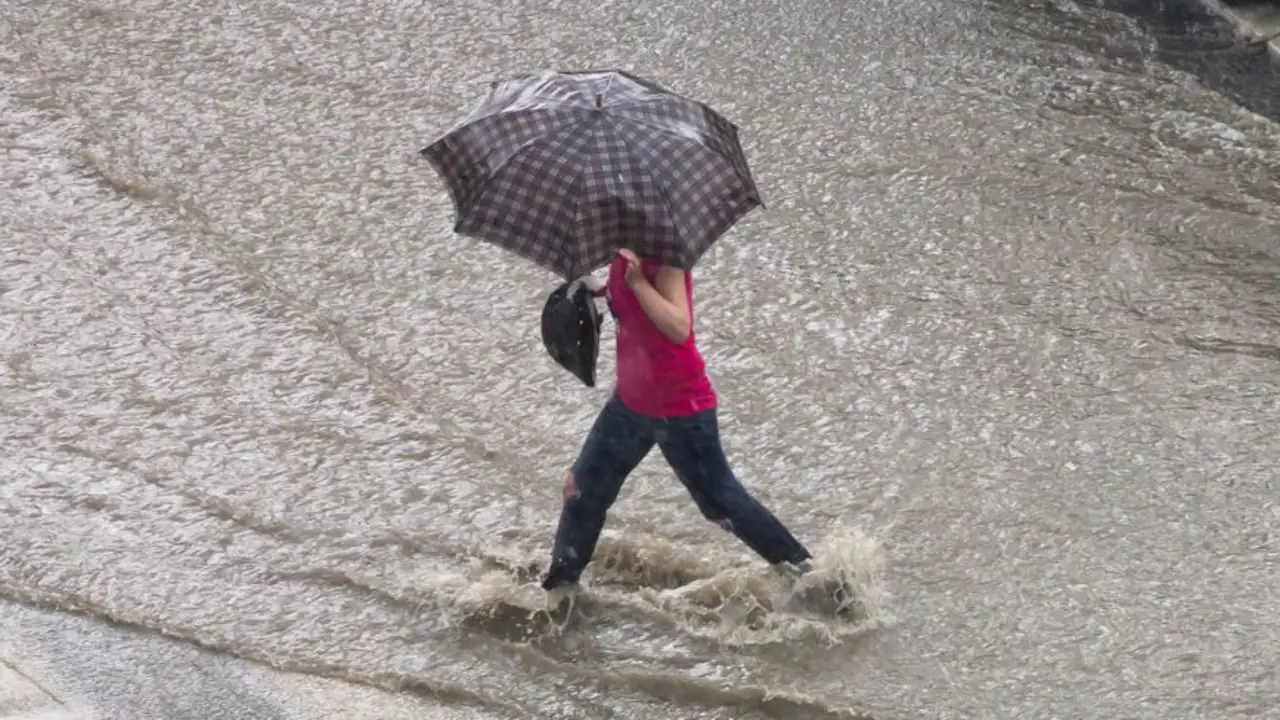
(665, 130)
(519, 151)
(575, 191)
(662, 192)
(487, 186)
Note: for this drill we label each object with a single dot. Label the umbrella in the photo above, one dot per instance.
(565, 168)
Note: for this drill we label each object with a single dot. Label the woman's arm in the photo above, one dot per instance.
(665, 300)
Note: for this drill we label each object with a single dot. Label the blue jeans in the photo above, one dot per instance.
(616, 444)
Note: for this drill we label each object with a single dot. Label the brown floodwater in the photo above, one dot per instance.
(1004, 347)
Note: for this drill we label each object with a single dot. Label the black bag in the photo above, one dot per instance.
(571, 331)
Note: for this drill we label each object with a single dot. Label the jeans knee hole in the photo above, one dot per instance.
(571, 491)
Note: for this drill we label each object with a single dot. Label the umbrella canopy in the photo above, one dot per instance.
(565, 168)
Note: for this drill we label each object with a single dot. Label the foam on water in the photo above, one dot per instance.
(740, 604)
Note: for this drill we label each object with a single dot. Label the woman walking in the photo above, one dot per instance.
(662, 397)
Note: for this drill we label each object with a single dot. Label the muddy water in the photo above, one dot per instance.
(1003, 347)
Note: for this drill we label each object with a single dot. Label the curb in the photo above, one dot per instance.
(1254, 23)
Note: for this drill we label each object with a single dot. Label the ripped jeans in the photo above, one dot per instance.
(616, 444)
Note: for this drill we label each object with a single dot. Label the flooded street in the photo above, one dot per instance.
(1004, 346)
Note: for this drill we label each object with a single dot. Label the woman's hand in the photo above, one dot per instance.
(633, 274)
(594, 285)
(665, 300)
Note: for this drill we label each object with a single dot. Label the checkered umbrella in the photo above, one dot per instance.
(565, 168)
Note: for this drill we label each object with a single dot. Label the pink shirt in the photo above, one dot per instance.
(656, 377)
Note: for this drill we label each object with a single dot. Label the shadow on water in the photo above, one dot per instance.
(1192, 38)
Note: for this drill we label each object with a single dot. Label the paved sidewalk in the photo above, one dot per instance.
(56, 666)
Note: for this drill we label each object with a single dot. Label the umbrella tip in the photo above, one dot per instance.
(599, 102)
